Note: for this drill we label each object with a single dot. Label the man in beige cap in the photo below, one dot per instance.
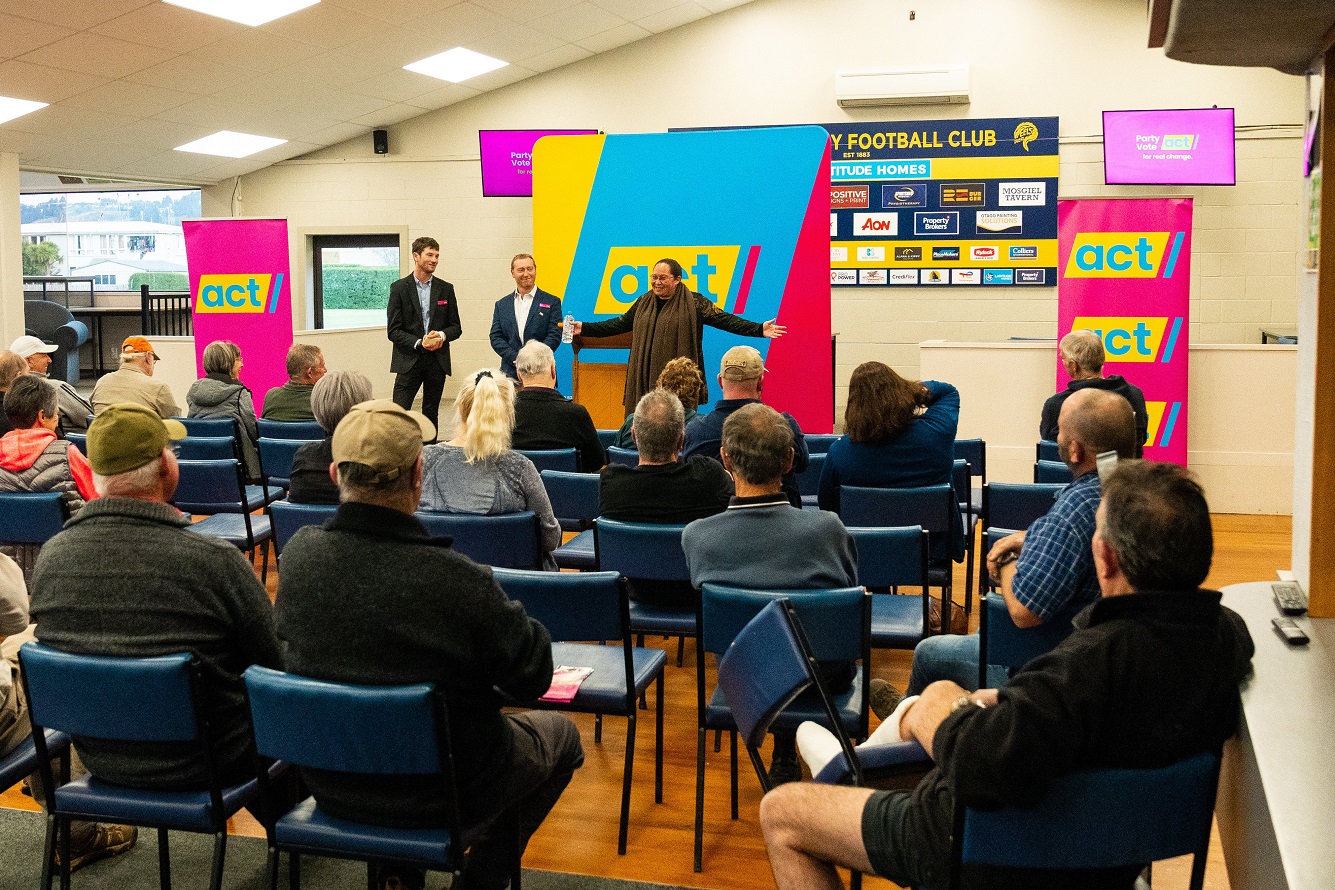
(74, 408)
(127, 577)
(742, 379)
(371, 598)
(132, 383)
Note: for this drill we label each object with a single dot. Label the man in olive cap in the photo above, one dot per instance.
(371, 598)
(127, 577)
(134, 383)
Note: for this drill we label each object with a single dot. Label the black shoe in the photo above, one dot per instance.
(785, 769)
(400, 877)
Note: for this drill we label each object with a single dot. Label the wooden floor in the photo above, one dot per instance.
(580, 835)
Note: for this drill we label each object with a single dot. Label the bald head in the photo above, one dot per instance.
(1093, 421)
(1084, 351)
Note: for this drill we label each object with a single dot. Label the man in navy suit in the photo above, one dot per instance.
(526, 314)
(423, 318)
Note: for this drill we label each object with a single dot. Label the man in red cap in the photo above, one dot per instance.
(132, 382)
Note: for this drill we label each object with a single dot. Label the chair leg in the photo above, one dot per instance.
(48, 851)
(699, 799)
(264, 563)
(164, 861)
(718, 740)
(64, 830)
(271, 867)
(627, 771)
(968, 583)
(219, 854)
(855, 880)
(370, 875)
(294, 870)
(732, 740)
(658, 741)
(681, 648)
(597, 729)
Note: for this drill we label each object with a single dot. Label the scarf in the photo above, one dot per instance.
(663, 330)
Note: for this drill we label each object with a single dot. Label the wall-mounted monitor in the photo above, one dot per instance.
(1183, 146)
(507, 160)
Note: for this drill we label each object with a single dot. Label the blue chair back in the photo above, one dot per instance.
(960, 476)
(564, 459)
(209, 426)
(276, 457)
(819, 443)
(1046, 449)
(573, 606)
(101, 697)
(808, 481)
(764, 669)
(891, 556)
(210, 486)
(625, 456)
(31, 517)
(1001, 642)
(305, 430)
(79, 441)
(1015, 505)
(1052, 471)
(1102, 818)
(826, 617)
(640, 550)
(288, 517)
(574, 498)
(607, 438)
(206, 448)
(931, 506)
(507, 540)
(975, 452)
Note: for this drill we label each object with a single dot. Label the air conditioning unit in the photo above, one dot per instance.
(932, 85)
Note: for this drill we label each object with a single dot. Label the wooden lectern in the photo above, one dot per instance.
(598, 386)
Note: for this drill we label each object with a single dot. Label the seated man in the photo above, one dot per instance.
(763, 541)
(1081, 353)
(742, 379)
(661, 489)
(1054, 571)
(133, 382)
(432, 616)
(292, 400)
(546, 419)
(74, 408)
(31, 457)
(1149, 677)
(127, 577)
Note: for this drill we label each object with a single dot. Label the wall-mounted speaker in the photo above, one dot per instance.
(380, 140)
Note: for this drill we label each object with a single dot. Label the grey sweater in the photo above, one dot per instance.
(508, 483)
(126, 578)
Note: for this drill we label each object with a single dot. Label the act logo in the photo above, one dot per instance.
(238, 294)
(1133, 338)
(1163, 421)
(707, 270)
(1124, 254)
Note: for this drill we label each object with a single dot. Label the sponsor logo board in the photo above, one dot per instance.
(908, 254)
(1023, 251)
(843, 276)
(934, 276)
(871, 276)
(945, 254)
(838, 254)
(906, 194)
(869, 224)
(965, 276)
(1030, 276)
(998, 276)
(984, 254)
(849, 197)
(999, 221)
(947, 223)
(903, 276)
(834, 225)
(963, 194)
(871, 254)
(1022, 194)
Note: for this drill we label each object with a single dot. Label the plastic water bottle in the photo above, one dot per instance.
(568, 329)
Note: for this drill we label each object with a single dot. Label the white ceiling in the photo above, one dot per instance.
(129, 80)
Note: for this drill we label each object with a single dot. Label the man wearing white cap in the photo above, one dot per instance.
(74, 408)
(132, 383)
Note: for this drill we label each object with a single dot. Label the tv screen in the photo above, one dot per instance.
(507, 160)
(1184, 146)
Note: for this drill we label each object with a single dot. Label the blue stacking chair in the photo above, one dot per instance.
(889, 558)
(149, 700)
(1011, 505)
(342, 728)
(608, 438)
(626, 456)
(640, 550)
(808, 481)
(564, 459)
(206, 448)
(79, 441)
(961, 480)
(1001, 642)
(23, 762)
(217, 489)
(975, 452)
(288, 517)
(31, 517)
(276, 458)
(1099, 818)
(257, 496)
(594, 606)
(503, 540)
(305, 430)
(574, 498)
(1052, 471)
(819, 443)
(1046, 449)
(209, 426)
(837, 623)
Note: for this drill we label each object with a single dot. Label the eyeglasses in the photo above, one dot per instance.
(660, 277)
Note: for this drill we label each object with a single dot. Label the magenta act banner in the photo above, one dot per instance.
(1124, 267)
(241, 291)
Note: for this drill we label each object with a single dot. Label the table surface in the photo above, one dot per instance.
(1289, 705)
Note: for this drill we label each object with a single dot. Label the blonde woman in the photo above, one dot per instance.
(476, 471)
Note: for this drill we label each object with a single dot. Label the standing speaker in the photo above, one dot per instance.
(380, 139)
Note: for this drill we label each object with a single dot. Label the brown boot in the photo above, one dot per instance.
(105, 840)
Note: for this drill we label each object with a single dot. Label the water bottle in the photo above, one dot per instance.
(568, 329)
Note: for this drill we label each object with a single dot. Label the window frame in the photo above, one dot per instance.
(320, 241)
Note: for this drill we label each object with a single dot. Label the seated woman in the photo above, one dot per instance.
(12, 367)
(476, 472)
(683, 379)
(220, 393)
(897, 434)
(333, 395)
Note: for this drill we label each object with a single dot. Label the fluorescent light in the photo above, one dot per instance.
(230, 145)
(456, 65)
(247, 12)
(12, 108)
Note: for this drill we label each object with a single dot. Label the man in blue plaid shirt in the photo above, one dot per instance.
(1050, 567)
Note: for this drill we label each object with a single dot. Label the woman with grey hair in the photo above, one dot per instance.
(220, 393)
(333, 395)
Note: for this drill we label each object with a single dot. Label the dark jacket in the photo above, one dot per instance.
(220, 396)
(403, 323)
(544, 324)
(546, 419)
(1047, 426)
(310, 482)
(704, 435)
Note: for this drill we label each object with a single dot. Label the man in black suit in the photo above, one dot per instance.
(423, 318)
(526, 314)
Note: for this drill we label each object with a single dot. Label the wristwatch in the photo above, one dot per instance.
(962, 702)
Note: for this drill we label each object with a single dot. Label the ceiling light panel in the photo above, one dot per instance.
(227, 144)
(12, 108)
(456, 65)
(247, 12)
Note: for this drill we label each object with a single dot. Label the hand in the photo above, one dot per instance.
(987, 698)
(1004, 551)
(433, 341)
(576, 327)
(771, 329)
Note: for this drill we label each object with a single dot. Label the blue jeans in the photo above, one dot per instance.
(951, 657)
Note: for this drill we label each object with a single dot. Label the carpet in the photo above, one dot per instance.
(21, 853)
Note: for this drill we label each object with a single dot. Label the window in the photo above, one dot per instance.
(352, 275)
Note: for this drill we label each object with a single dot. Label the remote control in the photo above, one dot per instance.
(1290, 632)
(1289, 597)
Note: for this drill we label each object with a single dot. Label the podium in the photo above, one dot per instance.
(599, 386)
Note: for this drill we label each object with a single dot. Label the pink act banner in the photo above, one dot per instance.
(1124, 272)
(240, 290)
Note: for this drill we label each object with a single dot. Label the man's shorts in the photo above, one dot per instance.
(894, 851)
